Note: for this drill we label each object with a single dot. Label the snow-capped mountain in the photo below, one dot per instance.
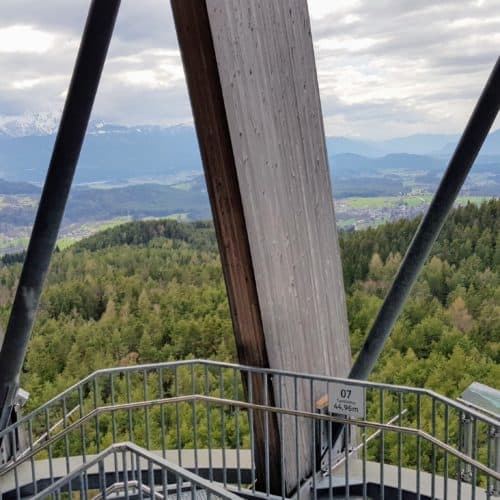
(37, 124)
(117, 153)
(47, 123)
(110, 153)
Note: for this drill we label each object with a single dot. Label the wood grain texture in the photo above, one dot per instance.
(205, 92)
(267, 72)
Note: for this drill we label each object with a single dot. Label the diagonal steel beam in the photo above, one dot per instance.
(460, 164)
(81, 94)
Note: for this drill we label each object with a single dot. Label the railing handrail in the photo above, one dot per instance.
(242, 404)
(140, 452)
(485, 418)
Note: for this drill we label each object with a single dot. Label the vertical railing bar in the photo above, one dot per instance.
(113, 423)
(82, 427)
(102, 478)
(252, 435)
(130, 423)
(400, 444)
(82, 486)
(237, 427)
(458, 461)
(16, 478)
(282, 442)
(129, 399)
(446, 440)
(32, 459)
(161, 393)
(474, 455)
(496, 451)
(433, 430)
(314, 439)
(47, 425)
(66, 442)
(382, 447)
(164, 480)
(178, 417)
(125, 472)
(223, 430)
(347, 429)
(418, 445)
(209, 428)
(139, 477)
(146, 408)
(331, 444)
(365, 486)
(195, 423)
(297, 456)
(151, 480)
(66, 439)
(96, 419)
(266, 436)
(488, 453)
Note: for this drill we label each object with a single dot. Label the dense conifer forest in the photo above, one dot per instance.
(154, 291)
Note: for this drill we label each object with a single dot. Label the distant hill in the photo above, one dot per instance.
(143, 200)
(200, 235)
(351, 165)
(117, 154)
(12, 188)
(140, 201)
(420, 144)
(341, 145)
(112, 154)
(367, 187)
(491, 146)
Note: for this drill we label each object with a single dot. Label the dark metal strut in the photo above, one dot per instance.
(460, 164)
(75, 117)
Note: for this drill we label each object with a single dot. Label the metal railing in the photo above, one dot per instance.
(135, 471)
(196, 413)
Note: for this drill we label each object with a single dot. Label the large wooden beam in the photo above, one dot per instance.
(254, 90)
(200, 66)
(267, 71)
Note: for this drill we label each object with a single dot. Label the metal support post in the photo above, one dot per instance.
(69, 140)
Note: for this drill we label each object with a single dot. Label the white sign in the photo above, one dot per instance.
(348, 400)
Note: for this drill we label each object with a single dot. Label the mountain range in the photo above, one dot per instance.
(115, 154)
(140, 172)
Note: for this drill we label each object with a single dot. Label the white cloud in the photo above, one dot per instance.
(385, 67)
(143, 78)
(318, 9)
(25, 39)
(26, 83)
(345, 44)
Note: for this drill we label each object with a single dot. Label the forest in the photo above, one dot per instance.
(154, 291)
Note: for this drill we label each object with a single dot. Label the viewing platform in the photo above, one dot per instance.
(168, 429)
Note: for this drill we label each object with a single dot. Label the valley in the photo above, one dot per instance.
(136, 173)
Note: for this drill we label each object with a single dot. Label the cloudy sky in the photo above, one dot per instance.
(386, 67)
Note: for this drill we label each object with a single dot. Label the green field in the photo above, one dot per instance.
(183, 186)
(394, 201)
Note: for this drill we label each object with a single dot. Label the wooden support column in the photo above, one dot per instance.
(252, 80)
(200, 66)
